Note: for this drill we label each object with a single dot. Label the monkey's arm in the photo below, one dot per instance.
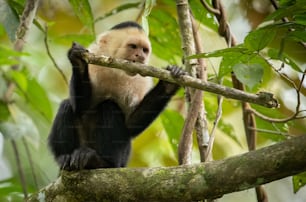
(80, 87)
(153, 103)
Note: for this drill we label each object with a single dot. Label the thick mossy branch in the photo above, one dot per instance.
(264, 99)
(182, 183)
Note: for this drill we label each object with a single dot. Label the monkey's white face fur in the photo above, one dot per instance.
(125, 89)
(130, 44)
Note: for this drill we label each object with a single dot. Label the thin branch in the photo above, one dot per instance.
(295, 115)
(52, 58)
(188, 46)
(19, 168)
(262, 98)
(209, 8)
(213, 131)
(201, 122)
(270, 131)
(31, 163)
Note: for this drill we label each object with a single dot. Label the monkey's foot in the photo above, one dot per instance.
(81, 158)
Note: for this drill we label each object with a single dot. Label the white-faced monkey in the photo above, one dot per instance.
(107, 107)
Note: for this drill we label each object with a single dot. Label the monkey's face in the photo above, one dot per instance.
(135, 47)
(130, 44)
(137, 52)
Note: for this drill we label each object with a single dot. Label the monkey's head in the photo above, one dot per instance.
(125, 41)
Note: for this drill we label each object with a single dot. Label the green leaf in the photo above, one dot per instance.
(4, 111)
(249, 75)
(299, 181)
(11, 190)
(165, 34)
(228, 129)
(118, 9)
(299, 8)
(275, 54)
(173, 123)
(83, 11)
(298, 36)
(38, 98)
(259, 39)
(33, 93)
(84, 39)
(20, 79)
(9, 19)
(8, 56)
(202, 15)
(228, 61)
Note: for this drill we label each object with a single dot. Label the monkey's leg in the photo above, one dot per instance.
(63, 138)
(113, 143)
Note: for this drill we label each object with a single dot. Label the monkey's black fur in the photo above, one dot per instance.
(87, 137)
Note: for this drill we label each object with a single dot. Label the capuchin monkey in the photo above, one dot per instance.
(107, 107)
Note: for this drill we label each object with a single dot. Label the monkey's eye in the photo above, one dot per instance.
(133, 46)
(145, 50)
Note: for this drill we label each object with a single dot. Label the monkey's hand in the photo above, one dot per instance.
(176, 72)
(81, 158)
(75, 57)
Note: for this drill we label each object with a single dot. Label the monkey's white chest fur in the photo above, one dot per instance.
(114, 84)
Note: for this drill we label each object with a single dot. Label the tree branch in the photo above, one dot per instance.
(262, 98)
(182, 183)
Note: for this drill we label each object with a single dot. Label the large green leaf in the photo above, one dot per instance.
(83, 11)
(259, 39)
(249, 74)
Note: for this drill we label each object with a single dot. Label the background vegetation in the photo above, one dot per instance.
(35, 79)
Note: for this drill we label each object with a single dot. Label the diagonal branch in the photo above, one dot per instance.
(262, 98)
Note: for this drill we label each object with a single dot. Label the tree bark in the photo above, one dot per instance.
(183, 183)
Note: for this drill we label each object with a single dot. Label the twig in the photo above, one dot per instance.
(19, 168)
(185, 80)
(28, 153)
(201, 125)
(295, 115)
(52, 58)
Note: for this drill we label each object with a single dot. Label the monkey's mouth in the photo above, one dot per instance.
(138, 61)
